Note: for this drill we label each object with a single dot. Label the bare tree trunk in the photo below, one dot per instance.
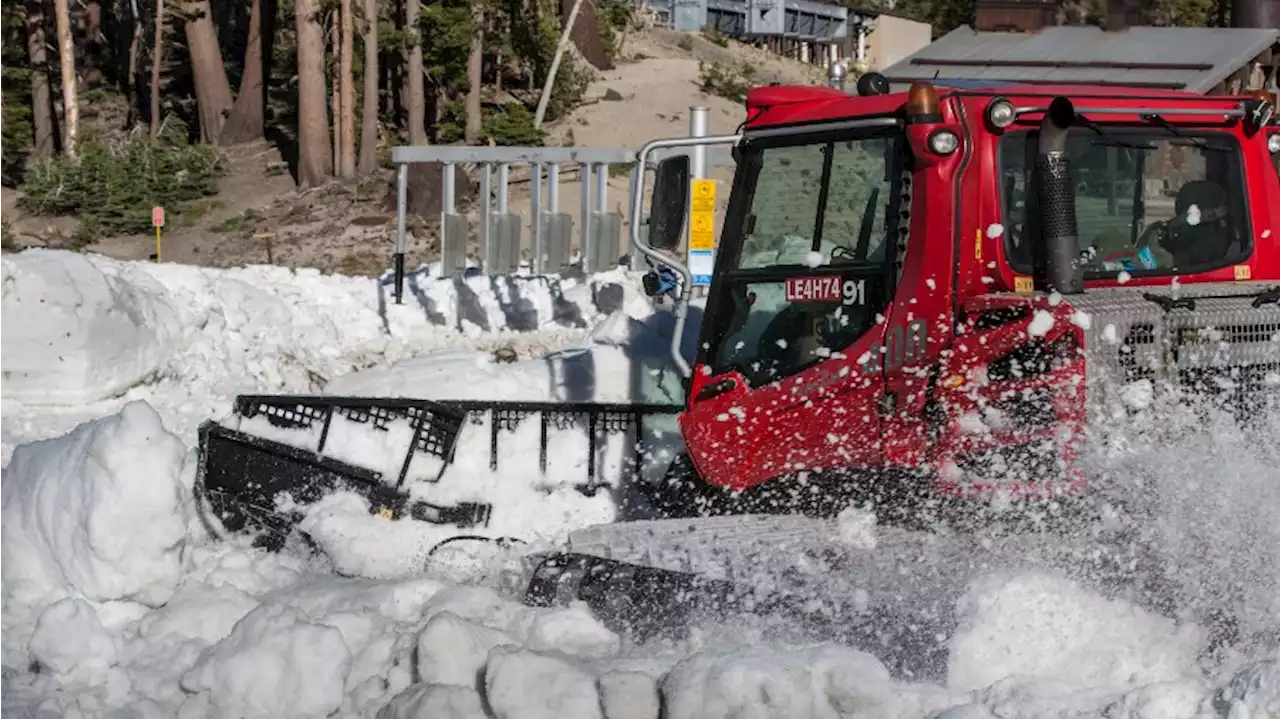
(335, 91)
(315, 162)
(41, 103)
(417, 97)
(213, 91)
(555, 64)
(157, 54)
(347, 159)
(134, 44)
(92, 43)
(369, 121)
(67, 57)
(245, 122)
(475, 67)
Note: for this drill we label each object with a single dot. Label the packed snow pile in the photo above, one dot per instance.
(127, 605)
(99, 513)
(77, 332)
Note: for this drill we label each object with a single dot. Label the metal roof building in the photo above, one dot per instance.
(1199, 60)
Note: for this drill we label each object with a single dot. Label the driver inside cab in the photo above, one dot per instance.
(1199, 233)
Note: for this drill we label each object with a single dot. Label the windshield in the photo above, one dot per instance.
(1148, 201)
(814, 266)
(826, 198)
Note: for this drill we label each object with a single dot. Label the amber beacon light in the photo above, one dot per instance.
(922, 103)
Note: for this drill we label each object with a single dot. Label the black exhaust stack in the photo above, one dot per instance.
(1056, 195)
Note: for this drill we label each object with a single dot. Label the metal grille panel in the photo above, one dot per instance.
(1178, 335)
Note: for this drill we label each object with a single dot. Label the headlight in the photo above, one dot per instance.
(1273, 143)
(943, 142)
(1001, 113)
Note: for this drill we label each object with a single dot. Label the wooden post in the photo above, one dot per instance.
(266, 237)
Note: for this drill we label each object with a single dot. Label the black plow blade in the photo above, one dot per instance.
(647, 602)
(242, 475)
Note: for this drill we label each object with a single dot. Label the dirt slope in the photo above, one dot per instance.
(349, 227)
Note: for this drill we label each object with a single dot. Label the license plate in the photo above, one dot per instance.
(814, 289)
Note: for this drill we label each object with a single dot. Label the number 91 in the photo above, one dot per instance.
(854, 292)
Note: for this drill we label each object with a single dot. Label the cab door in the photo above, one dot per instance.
(788, 378)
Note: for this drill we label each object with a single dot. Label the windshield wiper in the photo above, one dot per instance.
(1109, 141)
(1198, 142)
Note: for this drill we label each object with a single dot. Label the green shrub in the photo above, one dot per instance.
(614, 18)
(6, 233)
(512, 126)
(716, 37)
(111, 188)
(726, 82)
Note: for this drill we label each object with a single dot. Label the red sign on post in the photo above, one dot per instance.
(157, 217)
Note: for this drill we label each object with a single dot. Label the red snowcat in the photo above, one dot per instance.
(923, 300)
(921, 303)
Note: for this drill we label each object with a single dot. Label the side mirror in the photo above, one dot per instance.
(1258, 114)
(670, 202)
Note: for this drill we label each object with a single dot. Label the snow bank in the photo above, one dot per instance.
(76, 331)
(88, 334)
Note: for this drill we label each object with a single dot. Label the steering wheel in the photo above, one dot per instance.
(1155, 232)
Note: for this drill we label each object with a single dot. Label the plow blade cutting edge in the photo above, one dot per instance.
(889, 587)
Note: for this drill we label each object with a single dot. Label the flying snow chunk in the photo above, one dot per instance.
(1139, 394)
(1123, 277)
(857, 527)
(1082, 319)
(1040, 324)
(995, 230)
(1109, 334)
(1193, 215)
(813, 259)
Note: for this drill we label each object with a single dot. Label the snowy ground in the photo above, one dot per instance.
(117, 603)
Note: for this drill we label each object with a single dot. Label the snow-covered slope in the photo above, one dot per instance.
(117, 603)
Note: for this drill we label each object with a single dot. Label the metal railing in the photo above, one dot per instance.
(500, 232)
